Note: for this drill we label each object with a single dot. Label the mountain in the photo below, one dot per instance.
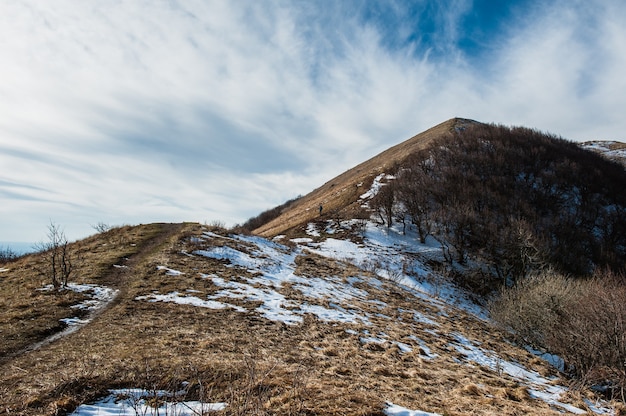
(340, 196)
(334, 314)
(465, 182)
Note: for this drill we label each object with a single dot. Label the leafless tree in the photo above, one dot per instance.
(58, 260)
(383, 203)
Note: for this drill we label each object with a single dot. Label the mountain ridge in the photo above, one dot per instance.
(339, 313)
(354, 181)
(339, 196)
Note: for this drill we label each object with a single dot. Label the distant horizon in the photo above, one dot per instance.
(18, 247)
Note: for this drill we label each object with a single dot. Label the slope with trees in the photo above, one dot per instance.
(515, 199)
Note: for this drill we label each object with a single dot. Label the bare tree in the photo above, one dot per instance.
(383, 202)
(415, 195)
(58, 261)
(101, 227)
(7, 255)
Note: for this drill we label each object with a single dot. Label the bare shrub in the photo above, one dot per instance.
(269, 215)
(593, 340)
(535, 306)
(582, 321)
(394, 273)
(216, 225)
(158, 391)
(7, 255)
(59, 262)
(371, 266)
(101, 227)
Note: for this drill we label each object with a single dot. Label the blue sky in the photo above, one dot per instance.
(128, 112)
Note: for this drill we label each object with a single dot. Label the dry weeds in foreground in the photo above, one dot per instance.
(258, 366)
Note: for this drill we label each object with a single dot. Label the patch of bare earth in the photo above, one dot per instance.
(259, 366)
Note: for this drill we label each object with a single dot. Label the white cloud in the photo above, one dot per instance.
(559, 73)
(191, 110)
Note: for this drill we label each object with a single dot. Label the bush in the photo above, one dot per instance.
(59, 261)
(582, 321)
(7, 255)
(535, 307)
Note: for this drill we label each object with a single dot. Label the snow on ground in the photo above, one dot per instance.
(311, 229)
(395, 410)
(181, 299)
(539, 387)
(376, 185)
(554, 360)
(274, 265)
(395, 256)
(269, 266)
(604, 147)
(98, 297)
(132, 402)
(169, 272)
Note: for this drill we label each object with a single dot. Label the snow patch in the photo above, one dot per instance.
(175, 297)
(395, 410)
(169, 272)
(376, 185)
(133, 402)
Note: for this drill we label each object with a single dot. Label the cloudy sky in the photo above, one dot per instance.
(135, 111)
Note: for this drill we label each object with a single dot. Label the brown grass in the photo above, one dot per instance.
(29, 314)
(611, 146)
(255, 365)
(340, 195)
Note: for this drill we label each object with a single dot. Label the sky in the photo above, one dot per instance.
(140, 111)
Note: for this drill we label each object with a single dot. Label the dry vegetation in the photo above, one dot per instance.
(339, 196)
(262, 367)
(583, 321)
(29, 314)
(255, 365)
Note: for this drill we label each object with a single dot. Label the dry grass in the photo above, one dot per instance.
(610, 146)
(340, 195)
(255, 365)
(29, 314)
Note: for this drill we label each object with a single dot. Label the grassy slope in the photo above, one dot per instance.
(340, 195)
(30, 314)
(256, 365)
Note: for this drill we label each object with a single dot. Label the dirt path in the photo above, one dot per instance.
(116, 279)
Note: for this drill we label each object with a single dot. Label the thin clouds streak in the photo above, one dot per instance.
(191, 110)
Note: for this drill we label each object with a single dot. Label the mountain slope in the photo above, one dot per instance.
(611, 149)
(340, 196)
(338, 314)
(357, 324)
(488, 193)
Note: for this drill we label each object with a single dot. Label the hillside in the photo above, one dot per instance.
(350, 312)
(347, 320)
(465, 182)
(340, 196)
(613, 150)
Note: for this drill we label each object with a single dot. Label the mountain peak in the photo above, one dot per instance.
(341, 194)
